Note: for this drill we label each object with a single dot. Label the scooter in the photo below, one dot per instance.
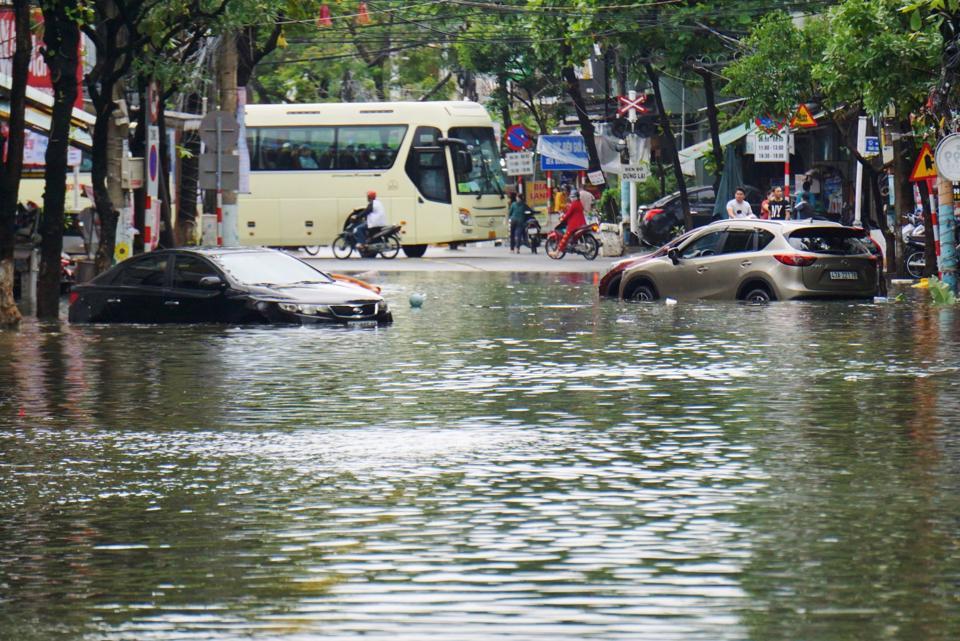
(532, 232)
(386, 242)
(583, 242)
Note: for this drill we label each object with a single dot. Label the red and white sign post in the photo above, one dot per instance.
(151, 218)
(631, 106)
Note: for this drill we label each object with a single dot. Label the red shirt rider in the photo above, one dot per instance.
(573, 218)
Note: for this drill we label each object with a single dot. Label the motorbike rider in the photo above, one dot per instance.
(374, 218)
(573, 218)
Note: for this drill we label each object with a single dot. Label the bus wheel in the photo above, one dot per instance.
(414, 251)
(342, 247)
(392, 247)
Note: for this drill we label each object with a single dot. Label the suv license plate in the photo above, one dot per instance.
(843, 275)
(362, 323)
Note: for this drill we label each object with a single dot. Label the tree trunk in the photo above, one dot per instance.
(654, 78)
(11, 168)
(61, 37)
(586, 127)
(714, 125)
(167, 238)
(189, 175)
(503, 98)
(138, 149)
(904, 157)
(930, 247)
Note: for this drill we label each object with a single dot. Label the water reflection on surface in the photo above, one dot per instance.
(514, 461)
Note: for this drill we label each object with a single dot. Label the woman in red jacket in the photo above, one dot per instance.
(573, 218)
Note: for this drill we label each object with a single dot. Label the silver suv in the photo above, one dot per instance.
(758, 261)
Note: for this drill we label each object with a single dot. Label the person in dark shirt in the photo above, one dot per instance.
(518, 217)
(778, 205)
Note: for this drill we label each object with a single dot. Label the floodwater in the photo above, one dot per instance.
(514, 461)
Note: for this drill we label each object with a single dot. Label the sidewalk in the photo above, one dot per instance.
(479, 257)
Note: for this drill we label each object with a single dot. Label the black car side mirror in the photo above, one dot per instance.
(674, 255)
(211, 282)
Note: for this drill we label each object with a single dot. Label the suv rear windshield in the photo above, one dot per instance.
(836, 242)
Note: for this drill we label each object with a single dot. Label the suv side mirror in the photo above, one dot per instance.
(211, 282)
(674, 255)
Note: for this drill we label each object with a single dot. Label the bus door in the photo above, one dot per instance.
(427, 168)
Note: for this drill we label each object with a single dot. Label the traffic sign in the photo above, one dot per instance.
(635, 173)
(153, 160)
(517, 138)
(803, 118)
(925, 167)
(627, 103)
(871, 146)
(948, 157)
(519, 163)
(229, 130)
(229, 171)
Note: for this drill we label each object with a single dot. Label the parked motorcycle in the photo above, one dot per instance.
(385, 242)
(532, 232)
(914, 254)
(583, 242)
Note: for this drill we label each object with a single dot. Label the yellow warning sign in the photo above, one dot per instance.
(803, 118)
(925, 167)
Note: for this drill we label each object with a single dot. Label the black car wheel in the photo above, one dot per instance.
(414, 251)
(641, 293)
(757, 295)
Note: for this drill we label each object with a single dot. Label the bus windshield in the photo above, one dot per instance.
(486, 177)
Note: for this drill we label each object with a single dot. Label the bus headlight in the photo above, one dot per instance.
(465, 218)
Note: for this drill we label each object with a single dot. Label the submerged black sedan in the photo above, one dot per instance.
(222, 285)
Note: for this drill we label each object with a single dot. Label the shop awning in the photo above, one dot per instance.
(690, 155)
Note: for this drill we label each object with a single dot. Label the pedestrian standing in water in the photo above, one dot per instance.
(518, 217)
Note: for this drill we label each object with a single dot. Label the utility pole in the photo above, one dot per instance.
(227, 82)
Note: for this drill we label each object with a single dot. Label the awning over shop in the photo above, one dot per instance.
(690, 155)
(37, 116)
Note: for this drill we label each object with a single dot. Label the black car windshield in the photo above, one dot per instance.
(486, 176)
(833, 241)
(269, 268)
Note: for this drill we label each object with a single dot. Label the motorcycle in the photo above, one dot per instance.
(532, 232)
(583, 242)
(385, 242)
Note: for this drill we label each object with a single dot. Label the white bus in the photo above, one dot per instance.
(434, 165)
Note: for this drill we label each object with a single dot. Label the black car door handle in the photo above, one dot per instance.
(171, 303)
(114, 300)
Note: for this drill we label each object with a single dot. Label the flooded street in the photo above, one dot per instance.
(514, 461)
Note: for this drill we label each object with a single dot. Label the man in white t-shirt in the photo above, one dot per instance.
(375, 219)
(739, 207)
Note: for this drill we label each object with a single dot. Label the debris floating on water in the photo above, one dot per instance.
(416, 300)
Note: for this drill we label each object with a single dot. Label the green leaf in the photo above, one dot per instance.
(916, 22)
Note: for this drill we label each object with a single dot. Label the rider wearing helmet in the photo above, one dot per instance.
(374, 216)
(573, 218)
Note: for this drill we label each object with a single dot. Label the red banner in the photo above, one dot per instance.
(39, 74)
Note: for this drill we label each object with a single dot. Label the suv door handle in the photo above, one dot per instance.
(746, 263)
(114, 300)
(702, 268)
(171, 303)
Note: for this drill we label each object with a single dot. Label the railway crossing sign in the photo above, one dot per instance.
(631, 105)
(925, 167)
(517, 138)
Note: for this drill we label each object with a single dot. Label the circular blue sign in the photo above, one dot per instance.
(517, 138)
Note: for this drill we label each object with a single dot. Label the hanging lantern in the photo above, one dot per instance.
(363, 17)
(323, 20)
